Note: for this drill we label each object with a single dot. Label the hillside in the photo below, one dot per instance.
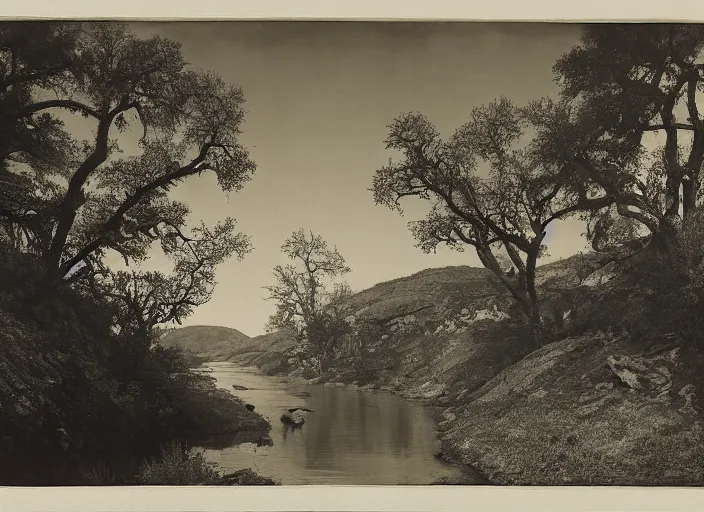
(585, 405)
(419, 334)
(74, 398)
(208, 342)
(436, 323)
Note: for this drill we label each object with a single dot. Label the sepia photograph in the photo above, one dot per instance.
(285, 253)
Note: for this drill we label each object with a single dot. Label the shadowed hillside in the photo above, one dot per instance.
(82, 405)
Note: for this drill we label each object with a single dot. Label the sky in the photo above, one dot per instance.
(319, 97)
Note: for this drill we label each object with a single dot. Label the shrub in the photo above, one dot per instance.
(178, 465)
(673, 284)
(74, 392)
(102, 474)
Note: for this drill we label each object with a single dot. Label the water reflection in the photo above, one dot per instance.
(351, 437)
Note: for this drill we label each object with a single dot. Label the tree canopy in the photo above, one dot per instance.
(72, 201)
(489, 189)
(502, 178)
(625, 88)
(74, 209)
(302, 288)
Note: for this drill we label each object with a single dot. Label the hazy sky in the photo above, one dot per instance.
(319, 99)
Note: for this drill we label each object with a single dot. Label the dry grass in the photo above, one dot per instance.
(179, 466)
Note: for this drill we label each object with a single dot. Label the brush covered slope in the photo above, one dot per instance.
(73, 394)
(218, 344)
(205, 342)
(432, 335)
(586, 404)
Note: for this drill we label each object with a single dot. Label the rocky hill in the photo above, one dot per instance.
(212, 343)
(420, 335)
(207, 342)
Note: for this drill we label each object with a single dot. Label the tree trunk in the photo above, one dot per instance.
(664, 241)
(75, 197)
(522, 289)
(534, 316)
(690, 190)
(535, 325)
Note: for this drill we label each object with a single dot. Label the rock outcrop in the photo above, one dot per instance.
(572, 412)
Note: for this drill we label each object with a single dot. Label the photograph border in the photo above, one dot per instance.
(356, 498)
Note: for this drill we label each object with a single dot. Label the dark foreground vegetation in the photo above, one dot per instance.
(87, 395)
(81, 404)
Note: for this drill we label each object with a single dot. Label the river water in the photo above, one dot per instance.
(351, 438)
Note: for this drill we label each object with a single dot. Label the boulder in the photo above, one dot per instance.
(449, 414)
(443, 400)
(295, 417)
(648, 375)
(444, 426)
(462, 394)
(246, 477)
(687, 392)
(292, 420)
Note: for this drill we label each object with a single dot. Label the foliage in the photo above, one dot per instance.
(304, 302)
(300, 290)
(620, 85)
(114, 395)
(323, 332)
(72, 210)
(84, 378)
(34, 55)
(179, 466)
(487, 190)
(674, 285)
(144, 300)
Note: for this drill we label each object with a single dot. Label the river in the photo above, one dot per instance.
(351, 438)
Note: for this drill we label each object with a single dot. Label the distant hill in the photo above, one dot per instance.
(208, 342)
(212, 343)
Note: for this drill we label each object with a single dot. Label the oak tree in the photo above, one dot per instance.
(623, 85)
(94, 201)
(308, 300)
(302, 287)
(487, 190)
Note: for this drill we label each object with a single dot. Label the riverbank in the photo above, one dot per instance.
(470, 475)
(560, 415)
(83, 403)
(349, 437)
(592, 408)
(586, 404)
